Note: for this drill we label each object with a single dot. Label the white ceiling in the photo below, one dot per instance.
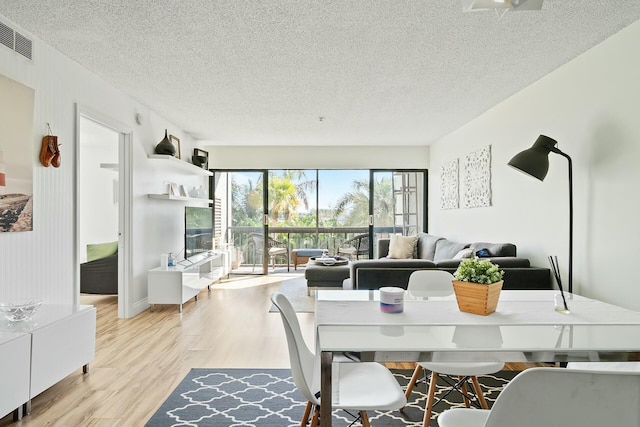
(379, 72)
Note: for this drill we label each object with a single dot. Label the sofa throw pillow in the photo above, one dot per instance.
(483, 253)
(402, 247)
(426, 246)
(497, 249)
(464, 253)
(446, 249)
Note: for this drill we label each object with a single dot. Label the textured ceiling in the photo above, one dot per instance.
(377, 71)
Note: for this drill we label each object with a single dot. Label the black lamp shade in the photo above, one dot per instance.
(534, 161)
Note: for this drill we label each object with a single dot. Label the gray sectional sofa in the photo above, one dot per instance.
(440, 253)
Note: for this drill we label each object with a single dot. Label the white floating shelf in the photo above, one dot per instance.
(186, 167)
(179, 198)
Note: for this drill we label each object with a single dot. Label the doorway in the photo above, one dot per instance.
(240, 219)
(102, 208)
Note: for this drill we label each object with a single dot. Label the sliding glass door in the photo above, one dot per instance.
(240, 197)
(399, 203)
(264, 215)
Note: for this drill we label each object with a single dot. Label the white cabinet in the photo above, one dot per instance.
(15, 351)
(177, 285)
(56, 341)
(63, 340)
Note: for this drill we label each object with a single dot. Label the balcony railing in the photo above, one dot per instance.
(329, 238)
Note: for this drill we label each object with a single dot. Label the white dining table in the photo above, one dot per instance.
(524, 327)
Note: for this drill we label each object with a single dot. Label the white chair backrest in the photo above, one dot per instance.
(302, 360)
(606, 366)
(430, 283)
(566, 397)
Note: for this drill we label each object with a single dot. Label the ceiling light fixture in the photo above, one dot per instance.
(501, 5)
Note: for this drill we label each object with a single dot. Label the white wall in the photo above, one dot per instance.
(43, 262)
(345, 157)
(591, 106)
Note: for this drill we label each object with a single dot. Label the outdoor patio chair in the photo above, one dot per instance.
(356, 246)
(274, 247)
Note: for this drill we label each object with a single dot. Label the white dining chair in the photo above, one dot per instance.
(557, 397)
(606, 366)
(356, 386)
(424, 284)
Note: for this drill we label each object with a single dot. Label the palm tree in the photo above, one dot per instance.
(287, 191)
(352, 208)
(245, 210)
(283, 199)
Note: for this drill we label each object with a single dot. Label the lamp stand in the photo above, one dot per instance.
(535, 162)
(566, 156)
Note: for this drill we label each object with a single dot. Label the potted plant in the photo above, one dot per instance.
(477, 286)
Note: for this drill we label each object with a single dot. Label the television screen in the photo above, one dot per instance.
(198, 230)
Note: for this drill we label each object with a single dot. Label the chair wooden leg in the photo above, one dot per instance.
(476, 386)
(465, 396)
(305, 416)
(316, 415)
(365, 419)
(430, 398)
(412, 382)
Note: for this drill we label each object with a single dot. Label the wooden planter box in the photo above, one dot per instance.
(477, 298)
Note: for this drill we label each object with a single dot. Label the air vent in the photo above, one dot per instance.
(23, 46)
(16, 41)
(6, 36)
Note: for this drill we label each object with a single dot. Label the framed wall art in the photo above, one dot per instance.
(16, 156)
(175, 141)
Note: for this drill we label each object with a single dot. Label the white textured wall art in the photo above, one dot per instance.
(477, 178)
(449, 188)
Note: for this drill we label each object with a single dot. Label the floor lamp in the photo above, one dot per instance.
(535, 162)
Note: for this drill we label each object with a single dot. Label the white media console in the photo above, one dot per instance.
(177, 285)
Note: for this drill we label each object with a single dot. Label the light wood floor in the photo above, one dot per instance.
(140, 361)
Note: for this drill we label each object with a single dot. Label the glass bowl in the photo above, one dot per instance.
(20, 309)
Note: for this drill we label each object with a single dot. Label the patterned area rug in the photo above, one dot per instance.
(268, 398)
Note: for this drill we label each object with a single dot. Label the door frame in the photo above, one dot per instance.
(125, 192)
(265, 207)
(424, 207)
